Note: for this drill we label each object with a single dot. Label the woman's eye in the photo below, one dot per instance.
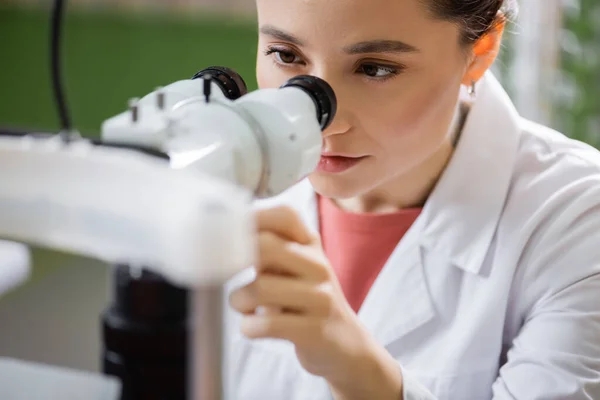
(377, 71)
(285, 57)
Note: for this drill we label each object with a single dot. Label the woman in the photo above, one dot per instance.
(445, 248)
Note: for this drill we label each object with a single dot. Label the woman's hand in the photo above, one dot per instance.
(297, 297)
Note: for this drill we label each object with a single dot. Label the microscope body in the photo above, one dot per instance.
(265, 142)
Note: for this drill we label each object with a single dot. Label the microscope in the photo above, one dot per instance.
(263, 142)
(166, 197)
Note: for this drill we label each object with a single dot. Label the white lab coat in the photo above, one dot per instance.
(494, 293)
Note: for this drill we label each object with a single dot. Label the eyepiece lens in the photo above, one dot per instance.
(321, 93)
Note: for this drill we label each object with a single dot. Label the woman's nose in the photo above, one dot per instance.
(338, 126)
(341, 121)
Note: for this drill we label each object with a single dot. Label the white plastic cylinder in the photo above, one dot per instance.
(288, 121)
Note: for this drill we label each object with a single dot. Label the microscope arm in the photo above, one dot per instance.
(123, 206)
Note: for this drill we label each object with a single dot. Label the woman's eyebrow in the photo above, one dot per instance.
(380, 46)
(371, 46)
(279, 34)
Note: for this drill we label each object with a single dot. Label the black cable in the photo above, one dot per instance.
(55, 61)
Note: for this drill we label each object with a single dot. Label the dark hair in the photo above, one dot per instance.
(475, 17)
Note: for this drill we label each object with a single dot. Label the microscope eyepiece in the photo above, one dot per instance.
(321, 93)
(230, 82)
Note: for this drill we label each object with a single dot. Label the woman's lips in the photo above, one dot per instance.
(336, 164)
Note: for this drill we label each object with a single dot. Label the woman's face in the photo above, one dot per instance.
(396, 72)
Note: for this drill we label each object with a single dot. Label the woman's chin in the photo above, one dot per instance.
(335, 187)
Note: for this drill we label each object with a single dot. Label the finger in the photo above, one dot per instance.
(278, 256)
(285, 294)
(284, 222)
(298, 329)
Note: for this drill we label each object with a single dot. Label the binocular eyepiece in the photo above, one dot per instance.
(233, 87)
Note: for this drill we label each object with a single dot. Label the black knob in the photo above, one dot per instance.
(230, 82)
(321, 93)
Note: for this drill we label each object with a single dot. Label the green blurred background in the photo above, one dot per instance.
(113, 53)
(108, 58)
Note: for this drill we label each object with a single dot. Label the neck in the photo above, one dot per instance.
(412, 189)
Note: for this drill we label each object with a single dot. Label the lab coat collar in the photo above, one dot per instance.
(463, 211)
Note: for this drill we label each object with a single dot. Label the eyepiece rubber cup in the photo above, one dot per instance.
(321, 93)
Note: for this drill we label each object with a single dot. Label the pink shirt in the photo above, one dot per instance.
(358, 245)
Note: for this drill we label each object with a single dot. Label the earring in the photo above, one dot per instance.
(472, 90)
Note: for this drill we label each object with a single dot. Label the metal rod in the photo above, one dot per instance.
(207, 344)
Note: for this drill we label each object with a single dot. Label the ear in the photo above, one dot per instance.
(485, 51)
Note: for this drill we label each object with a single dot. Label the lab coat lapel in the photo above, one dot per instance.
(462, 213)
(399, 301)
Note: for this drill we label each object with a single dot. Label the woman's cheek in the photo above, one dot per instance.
(398, 121)
(420, 114)
(268, 75)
